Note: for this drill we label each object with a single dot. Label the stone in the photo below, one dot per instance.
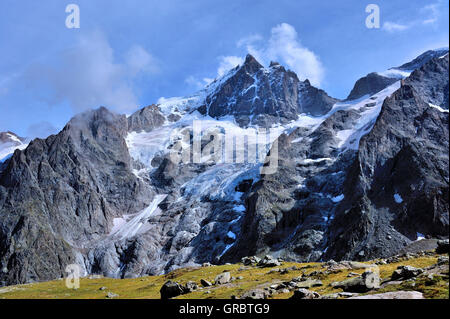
(443, 246)
(222, 278)
(205, 283)
(171, 289)
(309, 283)
(367, 281)
(255, 294)
(248, 261)
(405, 272)
(305, 294)
(191, 286)
(111, 295)
(268, 261)
(393, 295)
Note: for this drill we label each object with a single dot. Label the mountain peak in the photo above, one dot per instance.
(251, 64)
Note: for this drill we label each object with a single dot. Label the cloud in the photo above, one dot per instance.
(227, 63)
(285, 47)
(394, 27)
(429, 15)
(433, 13)
(88, 75)
(42, 130)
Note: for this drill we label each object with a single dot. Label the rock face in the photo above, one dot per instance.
(370, 84)
(392, 185)
(146, 119)
(63, 192)
(362, 180)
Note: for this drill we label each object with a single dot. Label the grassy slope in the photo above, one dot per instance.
(148, 287)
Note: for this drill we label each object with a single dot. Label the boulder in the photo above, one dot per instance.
(111, 295)
(171, 289)
(405, 272)
(255, 294)
(222, 278)
(205, 283)
(248, 261)
(191, 286)
(308, 283)
(442, 247)
(268, 261)
(305, 294)
(367, 281)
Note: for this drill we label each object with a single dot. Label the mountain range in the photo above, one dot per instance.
(355, 179)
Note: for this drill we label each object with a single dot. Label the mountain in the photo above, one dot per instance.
(9, 142)
(377, 81)
(256, 95)
(125, 196)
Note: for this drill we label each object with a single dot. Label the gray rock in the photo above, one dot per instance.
(393, 295)
(367, 281)
(305, 294)
(205, 283)
(309, 283)
(111, 295)
(405, 272)
(255, 294)
(268, 261)
(171, 289)
(222, 278)
(443, 246)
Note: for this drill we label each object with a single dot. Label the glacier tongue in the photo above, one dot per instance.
(127, 229)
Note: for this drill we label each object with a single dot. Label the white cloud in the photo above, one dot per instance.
(433, 13)
(88, 75)
(227, 63)
(394, 27)
(285, 47)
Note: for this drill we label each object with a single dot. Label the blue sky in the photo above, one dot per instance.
(130, 54)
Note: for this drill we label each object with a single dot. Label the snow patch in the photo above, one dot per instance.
(440, 109)
(398, 199)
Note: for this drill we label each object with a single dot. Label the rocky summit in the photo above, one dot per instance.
(365, 178)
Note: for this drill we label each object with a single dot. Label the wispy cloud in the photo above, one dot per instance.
(394, 27)
(432, 12)
(88, 75)
(226, 63)
(429, 15)
(285, 47)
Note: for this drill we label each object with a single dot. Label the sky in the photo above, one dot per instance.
(129, 54)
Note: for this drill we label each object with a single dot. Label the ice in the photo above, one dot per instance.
(395, 73)
(227, 247)
(349, 139)
(239, 208)
(231, 235)
(440, 109)
(7, 150)
(398, 199)
(338, 198)
(124, 228)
